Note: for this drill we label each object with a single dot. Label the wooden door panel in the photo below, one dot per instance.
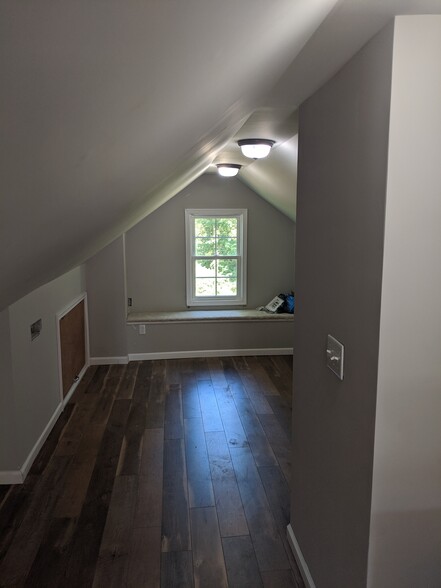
(73, 345)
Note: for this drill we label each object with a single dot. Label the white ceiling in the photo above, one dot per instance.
(109, 108)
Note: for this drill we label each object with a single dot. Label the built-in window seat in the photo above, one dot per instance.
(206, 316)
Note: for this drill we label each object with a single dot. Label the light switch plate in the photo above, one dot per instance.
(335, 356)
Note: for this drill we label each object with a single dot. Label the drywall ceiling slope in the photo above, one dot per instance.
(275, 177)
(348, 27)
(104, 104)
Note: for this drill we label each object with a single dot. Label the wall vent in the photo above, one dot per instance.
(36, 329)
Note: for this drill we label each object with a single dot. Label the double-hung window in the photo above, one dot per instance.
(216, 257)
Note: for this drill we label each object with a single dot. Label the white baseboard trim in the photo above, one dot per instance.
(39, 444)
(303, 566)
(11, 477)
(108, 360)
(209, 353)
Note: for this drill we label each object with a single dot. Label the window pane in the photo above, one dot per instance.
(226, 246)
(227, 268)
(204, 227)
(226, 227)
(204, 268)
(204, 246)
(205, 287)
(215, 256)
(226, 287)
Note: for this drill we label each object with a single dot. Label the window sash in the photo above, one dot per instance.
(240, 258)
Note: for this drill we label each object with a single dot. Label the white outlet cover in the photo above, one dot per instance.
(335, 352)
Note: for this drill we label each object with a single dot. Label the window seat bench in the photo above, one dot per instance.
(206, 316)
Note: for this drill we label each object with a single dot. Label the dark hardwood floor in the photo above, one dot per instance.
(168, 473)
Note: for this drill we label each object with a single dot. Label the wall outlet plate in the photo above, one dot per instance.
(335, 356)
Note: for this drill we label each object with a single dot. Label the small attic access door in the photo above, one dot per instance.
(72, 339)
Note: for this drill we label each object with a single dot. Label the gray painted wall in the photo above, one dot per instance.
(35, 373)
(8, 429)
(203, 337)
(343, 140)
(153, 255)
(105, 278)
(405, 546)
(155, 247)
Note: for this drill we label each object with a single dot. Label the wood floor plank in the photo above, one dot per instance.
(174, 422)
(261, 376)
(72, 434)
(128, 379)
(149, 500)
(114, 553)
(201, 368)
(233, 427)
(208, 559)
(260, 446)
(48, 569)
(231, 516)
(280, 374)
(173, 372)
(209, 409)
(240, 363)
(279, 441)
(175, 517)
(103, 405)
(230, 366)
(277, 493)
(281, 579)
(88, 533)
(255, 393)
(75, 487)
(141, 388)
(241, 563)
(77, 479)
(283, 412)
(3, 493)
(160, 473)
(217, 374)
(25, 543)
(115, 375)
(144, 568)
(191, 407)
(130, 456)
(200, 488)
(270, 551)
(52, 441)
(92, 379)
(177, 569)
(13, 511)
(156, 402)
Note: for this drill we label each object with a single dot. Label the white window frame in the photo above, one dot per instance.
(241, 298)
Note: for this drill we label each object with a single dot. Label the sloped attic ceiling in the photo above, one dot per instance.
(109, 108)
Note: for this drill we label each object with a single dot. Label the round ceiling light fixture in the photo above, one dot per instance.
(228, 170)
(255, 148)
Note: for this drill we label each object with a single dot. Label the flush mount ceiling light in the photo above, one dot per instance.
(255, 148)
(228, 170)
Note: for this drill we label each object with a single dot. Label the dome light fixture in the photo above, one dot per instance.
(228, 170)
(255, 148)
